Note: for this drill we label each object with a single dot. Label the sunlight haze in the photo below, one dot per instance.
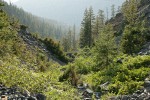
(67, 11)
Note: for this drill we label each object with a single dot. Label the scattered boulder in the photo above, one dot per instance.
(147, 84)
(87, 93)
(119, 61)
(40, 97)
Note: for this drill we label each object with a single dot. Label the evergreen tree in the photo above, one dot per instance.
(134, 33)
(96, 28)
(91, 24)
(69, 37)
(113, 11)
(86, 28)
(74, 38)
(65, 44)
(67, 41)
(105, 47)
(102, 18)
(98, 24)
(130, 11)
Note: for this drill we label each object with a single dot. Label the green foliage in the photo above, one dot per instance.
(70, 75)
(84, 61)
(98, 24)
(138, 62)
(133, 38)
(130, 11)
(135, 32)
(65, 75)
(86, 29)
(27, 67)
(55, 49)
(81, 66)
(124, 78)
(69, 41)
(46, 83)
(105, 48)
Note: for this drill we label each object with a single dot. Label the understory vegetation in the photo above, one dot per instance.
(107, 59)
(124, 78)
(28, 68)
(100, 58)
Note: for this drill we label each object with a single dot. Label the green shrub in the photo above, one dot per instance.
(55, 49)
(124, 78)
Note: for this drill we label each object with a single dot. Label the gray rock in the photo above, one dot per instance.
(147, 98)
(104, 86)
(119, 61)
(147, 79)
(139, 91)
(123, 97)
(33, 98)
(40, 97)
(147, 90)
(146, 83)
(143, 95)
(26, 93)
(112, 98)
(134, 96)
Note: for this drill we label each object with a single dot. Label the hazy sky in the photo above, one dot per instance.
(68, 11)
(11, 1)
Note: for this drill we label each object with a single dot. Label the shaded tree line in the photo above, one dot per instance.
(46, 27)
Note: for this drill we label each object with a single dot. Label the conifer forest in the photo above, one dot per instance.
(107, 57)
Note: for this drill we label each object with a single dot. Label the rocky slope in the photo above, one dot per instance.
(34, 44)
(15, 93)
(143, 10)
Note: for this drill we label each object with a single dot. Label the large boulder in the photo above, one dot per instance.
(40, 97)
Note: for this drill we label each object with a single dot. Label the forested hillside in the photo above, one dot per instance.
(110, 61)
(43, 27)
(113, 62)
(29, 64)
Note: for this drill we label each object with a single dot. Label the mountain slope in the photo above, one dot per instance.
(24, 64)
(68, 11)
(44, 27)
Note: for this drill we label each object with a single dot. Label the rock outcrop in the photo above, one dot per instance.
(15, 93)
(145, 50)
(118, 21)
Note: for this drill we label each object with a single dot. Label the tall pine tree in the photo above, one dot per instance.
(98, 24)
(86, 28)
(105, 47)
(134, 32)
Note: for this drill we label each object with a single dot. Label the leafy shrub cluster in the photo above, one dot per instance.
(55, 49)
(46, 83)
(124, 78)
